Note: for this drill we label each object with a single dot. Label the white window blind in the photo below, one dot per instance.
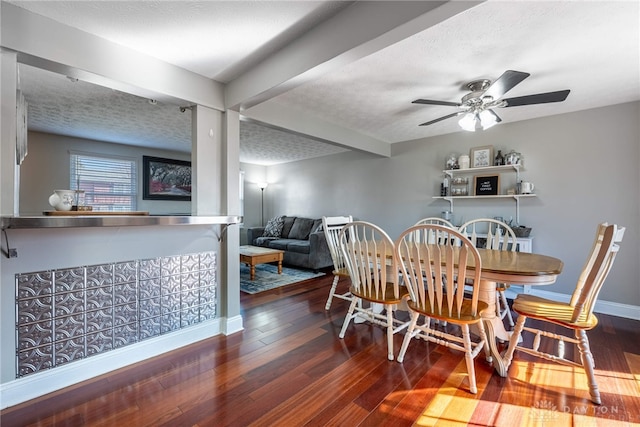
(109, 183)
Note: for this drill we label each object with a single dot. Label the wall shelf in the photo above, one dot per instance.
(483, 171)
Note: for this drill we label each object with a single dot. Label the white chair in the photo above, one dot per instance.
(369, 255)
(426, 271)
(435, 220)
(331, 225)
(499, 237)
(576, 315)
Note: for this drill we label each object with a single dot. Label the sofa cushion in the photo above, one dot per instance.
(263, 241)
(286, 227)
(274, 227)
(299, 246)
(281, 244)
(301, 229)
(317, 226)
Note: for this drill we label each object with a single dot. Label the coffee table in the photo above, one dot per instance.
(254, 255)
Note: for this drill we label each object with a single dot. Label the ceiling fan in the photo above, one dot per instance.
(477, 106)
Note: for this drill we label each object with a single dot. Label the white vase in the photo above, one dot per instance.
(62, 200)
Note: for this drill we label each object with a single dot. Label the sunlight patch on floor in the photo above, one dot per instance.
(447, 408)
(543, 374)
(633, 360)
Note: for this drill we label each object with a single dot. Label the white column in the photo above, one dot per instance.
(9, 170)
(230, 293)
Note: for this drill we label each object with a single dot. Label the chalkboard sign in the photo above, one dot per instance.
(487, 185)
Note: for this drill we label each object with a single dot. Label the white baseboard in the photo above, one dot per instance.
(605, 307)
(36, 385)
(232, 325)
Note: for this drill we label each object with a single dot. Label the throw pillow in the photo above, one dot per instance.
(288, 223)
(274, 227)
(301, 229)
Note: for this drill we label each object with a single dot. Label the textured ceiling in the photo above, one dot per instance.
(590, 47)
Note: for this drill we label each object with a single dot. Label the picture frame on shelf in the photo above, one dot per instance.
(486, 185)
(166, 179)
(481, 156)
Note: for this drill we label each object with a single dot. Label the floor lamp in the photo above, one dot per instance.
(262, 186)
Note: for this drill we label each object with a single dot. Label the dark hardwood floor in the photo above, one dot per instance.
(289, 368)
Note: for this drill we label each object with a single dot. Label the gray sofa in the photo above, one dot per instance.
(301, 239)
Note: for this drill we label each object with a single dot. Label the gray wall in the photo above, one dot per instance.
(46, 168)
(584, 166)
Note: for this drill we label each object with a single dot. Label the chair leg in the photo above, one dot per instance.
(332, 291)
(513, 341)
(349, 316)
(587, 361)
(390, 328)
(502, 301)
(408, 336)
(468, 357)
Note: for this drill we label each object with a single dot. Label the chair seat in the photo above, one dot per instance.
(389, 296)
(465, 312)
(553, 311)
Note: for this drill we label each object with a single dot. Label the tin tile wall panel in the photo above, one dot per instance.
(150, 327)
(99, 298)
(125, 272)
(208, 261)
(99, 342)
(68, 303)
(125, 335)
(69, 280)
(69, 327)
(170, 322)
(149, 288)
(169, 266)
(33, 335)
(69, 350)
(74, 313)
(35, 284)
(34, 309)
(189, 263)
(149, 268)
(34, 360)
(99, 275)
(125, 293)
(99, 320)
(150, 308)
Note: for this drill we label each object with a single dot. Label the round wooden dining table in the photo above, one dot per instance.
(518, 268)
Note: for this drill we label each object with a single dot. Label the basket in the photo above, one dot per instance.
(522, 231)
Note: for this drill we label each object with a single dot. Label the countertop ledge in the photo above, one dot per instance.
(15, 222)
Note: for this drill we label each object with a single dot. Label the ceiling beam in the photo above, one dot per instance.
(355, 32)
(292, 120)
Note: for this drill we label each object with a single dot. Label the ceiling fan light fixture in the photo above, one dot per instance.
(468, 122)
(487, 119)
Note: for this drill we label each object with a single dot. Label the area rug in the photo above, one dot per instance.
(267, 277)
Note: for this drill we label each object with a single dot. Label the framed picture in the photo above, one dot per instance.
(482, 156)
(487, 185)
(166, 179)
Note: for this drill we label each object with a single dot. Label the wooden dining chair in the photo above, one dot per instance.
(435, 220)
(500, 237)
(369, 255)
(576, 315)
(426, 270)
(331, 225)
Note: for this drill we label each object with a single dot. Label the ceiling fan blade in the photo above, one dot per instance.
(539, 98)
(498, 119)
(448, 116)
(507, 81)
(432, 102)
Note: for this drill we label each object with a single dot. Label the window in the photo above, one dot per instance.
(109, 183)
